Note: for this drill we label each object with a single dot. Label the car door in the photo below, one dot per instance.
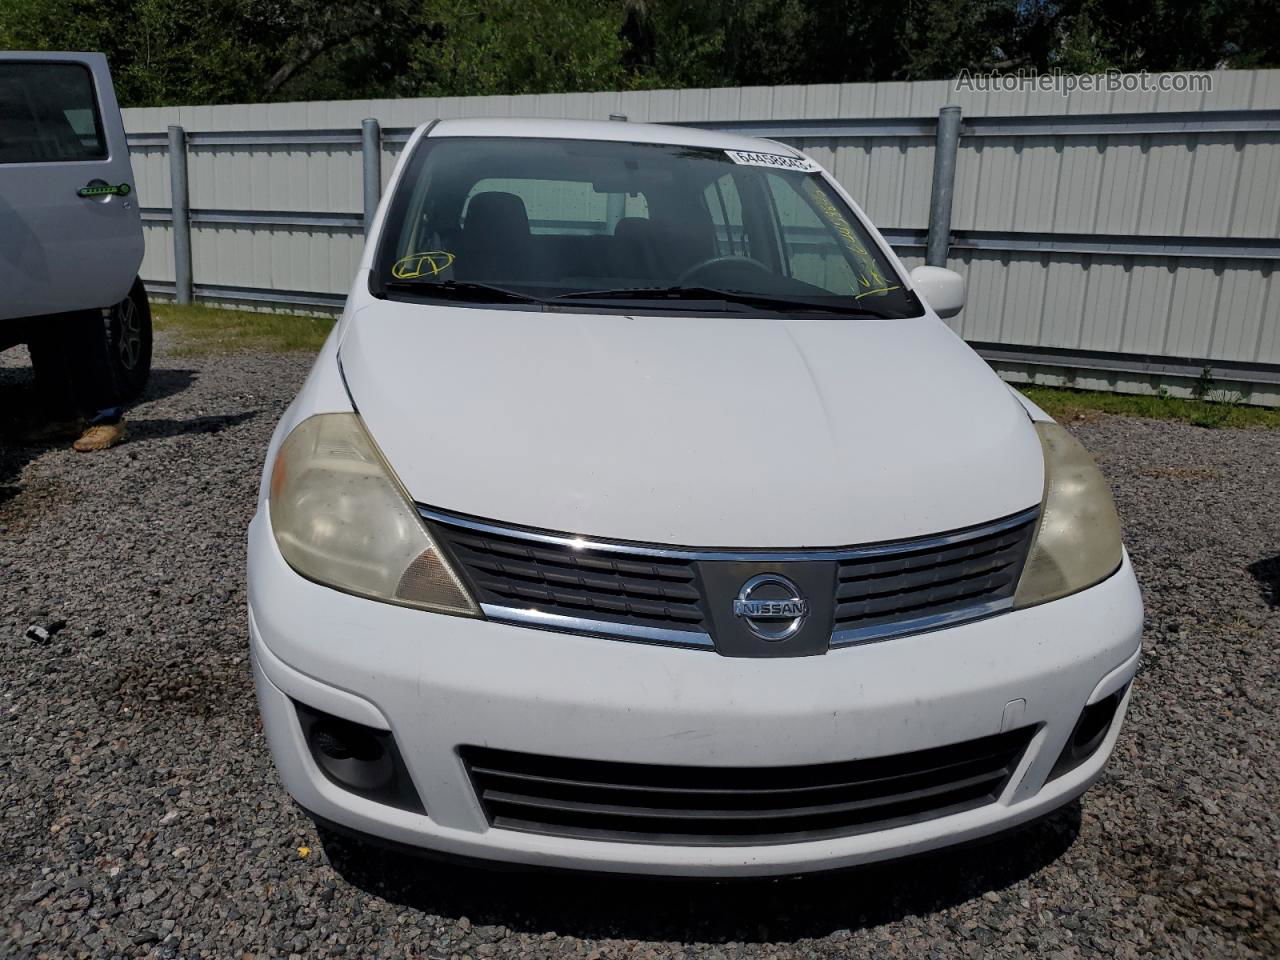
(70, 232)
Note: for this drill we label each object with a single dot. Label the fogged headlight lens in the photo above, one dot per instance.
(341, 518)
(1078, 541)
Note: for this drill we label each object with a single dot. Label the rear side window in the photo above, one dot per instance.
(48, 114)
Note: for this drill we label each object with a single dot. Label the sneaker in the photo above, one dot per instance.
(51, 431)
(101, 436)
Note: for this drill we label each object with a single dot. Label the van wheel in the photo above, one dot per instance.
(129, 337)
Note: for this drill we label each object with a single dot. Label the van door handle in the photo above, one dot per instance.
(96, 188)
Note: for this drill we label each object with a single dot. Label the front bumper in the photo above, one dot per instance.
(439, 683)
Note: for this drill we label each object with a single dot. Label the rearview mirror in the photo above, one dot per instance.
(943, 289)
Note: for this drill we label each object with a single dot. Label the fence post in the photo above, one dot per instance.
(371, 160)
(181, 208)
(944, 184)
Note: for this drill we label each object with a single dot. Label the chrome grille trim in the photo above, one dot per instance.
(746, 554)
(700, 639)
(637, 633)
(859, 635)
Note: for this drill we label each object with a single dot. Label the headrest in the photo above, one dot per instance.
(634, 228)
(498, 212)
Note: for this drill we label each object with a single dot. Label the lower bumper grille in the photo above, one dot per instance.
(699, 806)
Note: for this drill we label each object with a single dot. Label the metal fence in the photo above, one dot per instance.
(1116, 241)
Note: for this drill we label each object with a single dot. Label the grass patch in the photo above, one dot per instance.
(1225, 410)
(203, 330)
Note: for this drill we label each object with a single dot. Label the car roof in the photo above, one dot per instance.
(623, 132)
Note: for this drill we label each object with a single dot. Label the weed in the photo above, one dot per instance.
(202, 329)
(1216, 408)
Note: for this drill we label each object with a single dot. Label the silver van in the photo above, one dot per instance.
(70, 227)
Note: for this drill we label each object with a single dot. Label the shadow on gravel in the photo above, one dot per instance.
(17, 407)
(1267, 573)
(166, 383)
(159, 429)
(754, 911)
(15, 389)
(12, 460)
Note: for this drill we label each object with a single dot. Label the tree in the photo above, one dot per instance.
(479, 47)
(220, 51)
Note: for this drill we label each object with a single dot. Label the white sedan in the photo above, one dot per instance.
(641, 514)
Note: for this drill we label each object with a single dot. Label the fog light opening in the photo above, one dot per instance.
(360, 759)
(346, 741)
(352, 755)
(1090, 730)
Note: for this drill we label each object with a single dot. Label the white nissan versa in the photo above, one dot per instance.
(641, 515)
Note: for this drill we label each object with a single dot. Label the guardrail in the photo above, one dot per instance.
(948, 131)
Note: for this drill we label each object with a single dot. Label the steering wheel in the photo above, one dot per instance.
(750, 263)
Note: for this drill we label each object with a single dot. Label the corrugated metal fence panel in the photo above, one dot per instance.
(315, 179)
(157, 260)
(151, 160)
(1237, 90)
(888, 176)
(315, 259)
(1160, 185)
(1134, 305)
(1202, 185)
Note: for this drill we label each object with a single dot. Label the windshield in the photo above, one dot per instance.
(495, 220)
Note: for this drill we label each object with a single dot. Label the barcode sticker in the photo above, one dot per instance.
(776, 160)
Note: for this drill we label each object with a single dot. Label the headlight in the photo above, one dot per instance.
(341, 518)
(1077, 542)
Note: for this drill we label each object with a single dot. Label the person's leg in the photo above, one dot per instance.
(94, 383)
(54, 414)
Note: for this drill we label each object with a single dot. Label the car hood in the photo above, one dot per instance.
(726, 430)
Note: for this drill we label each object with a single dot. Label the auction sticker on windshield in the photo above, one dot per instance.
(776, 160)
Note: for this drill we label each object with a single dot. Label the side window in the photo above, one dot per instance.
(564, 207)
(725, 206)
(811, 251)
(48, 114)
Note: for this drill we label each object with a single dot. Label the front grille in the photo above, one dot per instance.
(580, 583)
(907, 588)
(701, 806)
(660, 594)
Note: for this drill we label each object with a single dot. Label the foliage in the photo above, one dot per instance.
(1219, 408)
(203, 330)
(217, 51)
(484, 47)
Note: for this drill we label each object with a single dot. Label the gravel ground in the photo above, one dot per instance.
(142, 815)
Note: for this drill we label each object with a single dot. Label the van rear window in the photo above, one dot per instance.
(48, 114)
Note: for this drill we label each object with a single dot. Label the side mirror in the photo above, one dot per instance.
(942, 288)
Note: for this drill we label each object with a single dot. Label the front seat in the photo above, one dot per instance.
(496, 244)
(636, 253)
(653, 250)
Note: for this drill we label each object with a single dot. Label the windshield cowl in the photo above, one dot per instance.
(628, 300)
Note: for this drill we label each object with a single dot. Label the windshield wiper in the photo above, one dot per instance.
(732, 296)
(462, 290)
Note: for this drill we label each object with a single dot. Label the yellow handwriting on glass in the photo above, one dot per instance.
(870, 279)
(428, 264)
